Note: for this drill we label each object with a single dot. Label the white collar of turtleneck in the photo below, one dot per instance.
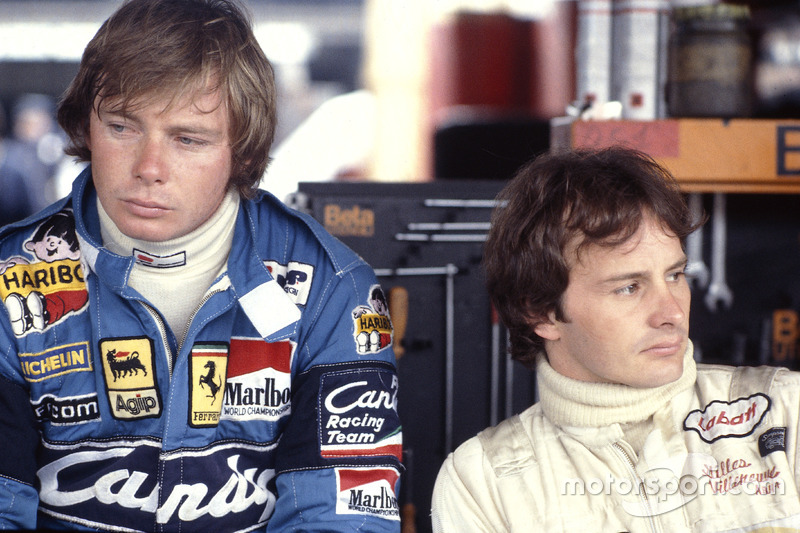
(174, 275)
(568, 402)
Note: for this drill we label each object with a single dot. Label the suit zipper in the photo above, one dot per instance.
(162, 328)
(626, 458)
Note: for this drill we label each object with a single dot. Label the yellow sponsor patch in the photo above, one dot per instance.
(129, 372)
(45, 278)
(56, 362)
(207, 373)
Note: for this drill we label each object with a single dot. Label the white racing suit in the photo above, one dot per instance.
(720, 454)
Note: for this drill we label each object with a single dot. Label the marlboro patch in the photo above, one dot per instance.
(367, 492)
(129, 372)
(259, 384)
(728, 419)
(207, 371)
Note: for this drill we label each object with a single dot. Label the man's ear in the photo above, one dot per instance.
(547, 327)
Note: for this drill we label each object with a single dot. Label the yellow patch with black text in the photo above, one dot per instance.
(129, 372)
(207, 373)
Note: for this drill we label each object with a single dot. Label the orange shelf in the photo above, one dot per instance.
(705, 155)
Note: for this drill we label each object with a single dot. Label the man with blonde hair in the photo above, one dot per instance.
(177, 348)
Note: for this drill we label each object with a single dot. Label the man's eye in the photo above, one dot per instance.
(117, 128)
(675, 276)
(628, 289)
(189, 141)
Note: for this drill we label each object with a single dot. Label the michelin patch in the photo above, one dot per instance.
(39, 292)
(367, 491)
(56, 361)
(207, 370)
(354, 406)
(295, 279)
(372, 327)
(129, 372)
(728, 419)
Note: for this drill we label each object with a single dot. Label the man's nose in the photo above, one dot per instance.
(150, 161)
(670, 307)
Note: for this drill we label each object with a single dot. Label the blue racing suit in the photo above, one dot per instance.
(278, 412)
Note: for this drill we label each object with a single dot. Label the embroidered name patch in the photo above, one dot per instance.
(728, 419)
(367, 492)
(129, 371)
(56, 362)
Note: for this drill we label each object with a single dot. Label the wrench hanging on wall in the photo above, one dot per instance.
(718, 290)
(449, 271)
(696, 268)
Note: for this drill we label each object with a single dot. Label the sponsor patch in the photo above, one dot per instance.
(123, 483)
(367, 492)
(728, 419)
(207, 371)
(56, 362)
(295, 279)
(259, 380)
(129, 371)
(372, 327)
(159, 261)
(772, 440)
(68, 410)
(354, 408)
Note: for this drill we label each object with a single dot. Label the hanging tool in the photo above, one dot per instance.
(696, 269)
(398, 311)
(718, 290)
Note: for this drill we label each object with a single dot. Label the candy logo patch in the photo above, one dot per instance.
(209, 362)
(367, 492)
(56, 362)
(728, 419)
(129, 371)
(372, 325)
(354, 408)
(259, 380)
(295, 279)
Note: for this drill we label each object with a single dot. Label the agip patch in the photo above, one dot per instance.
(129, 372)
